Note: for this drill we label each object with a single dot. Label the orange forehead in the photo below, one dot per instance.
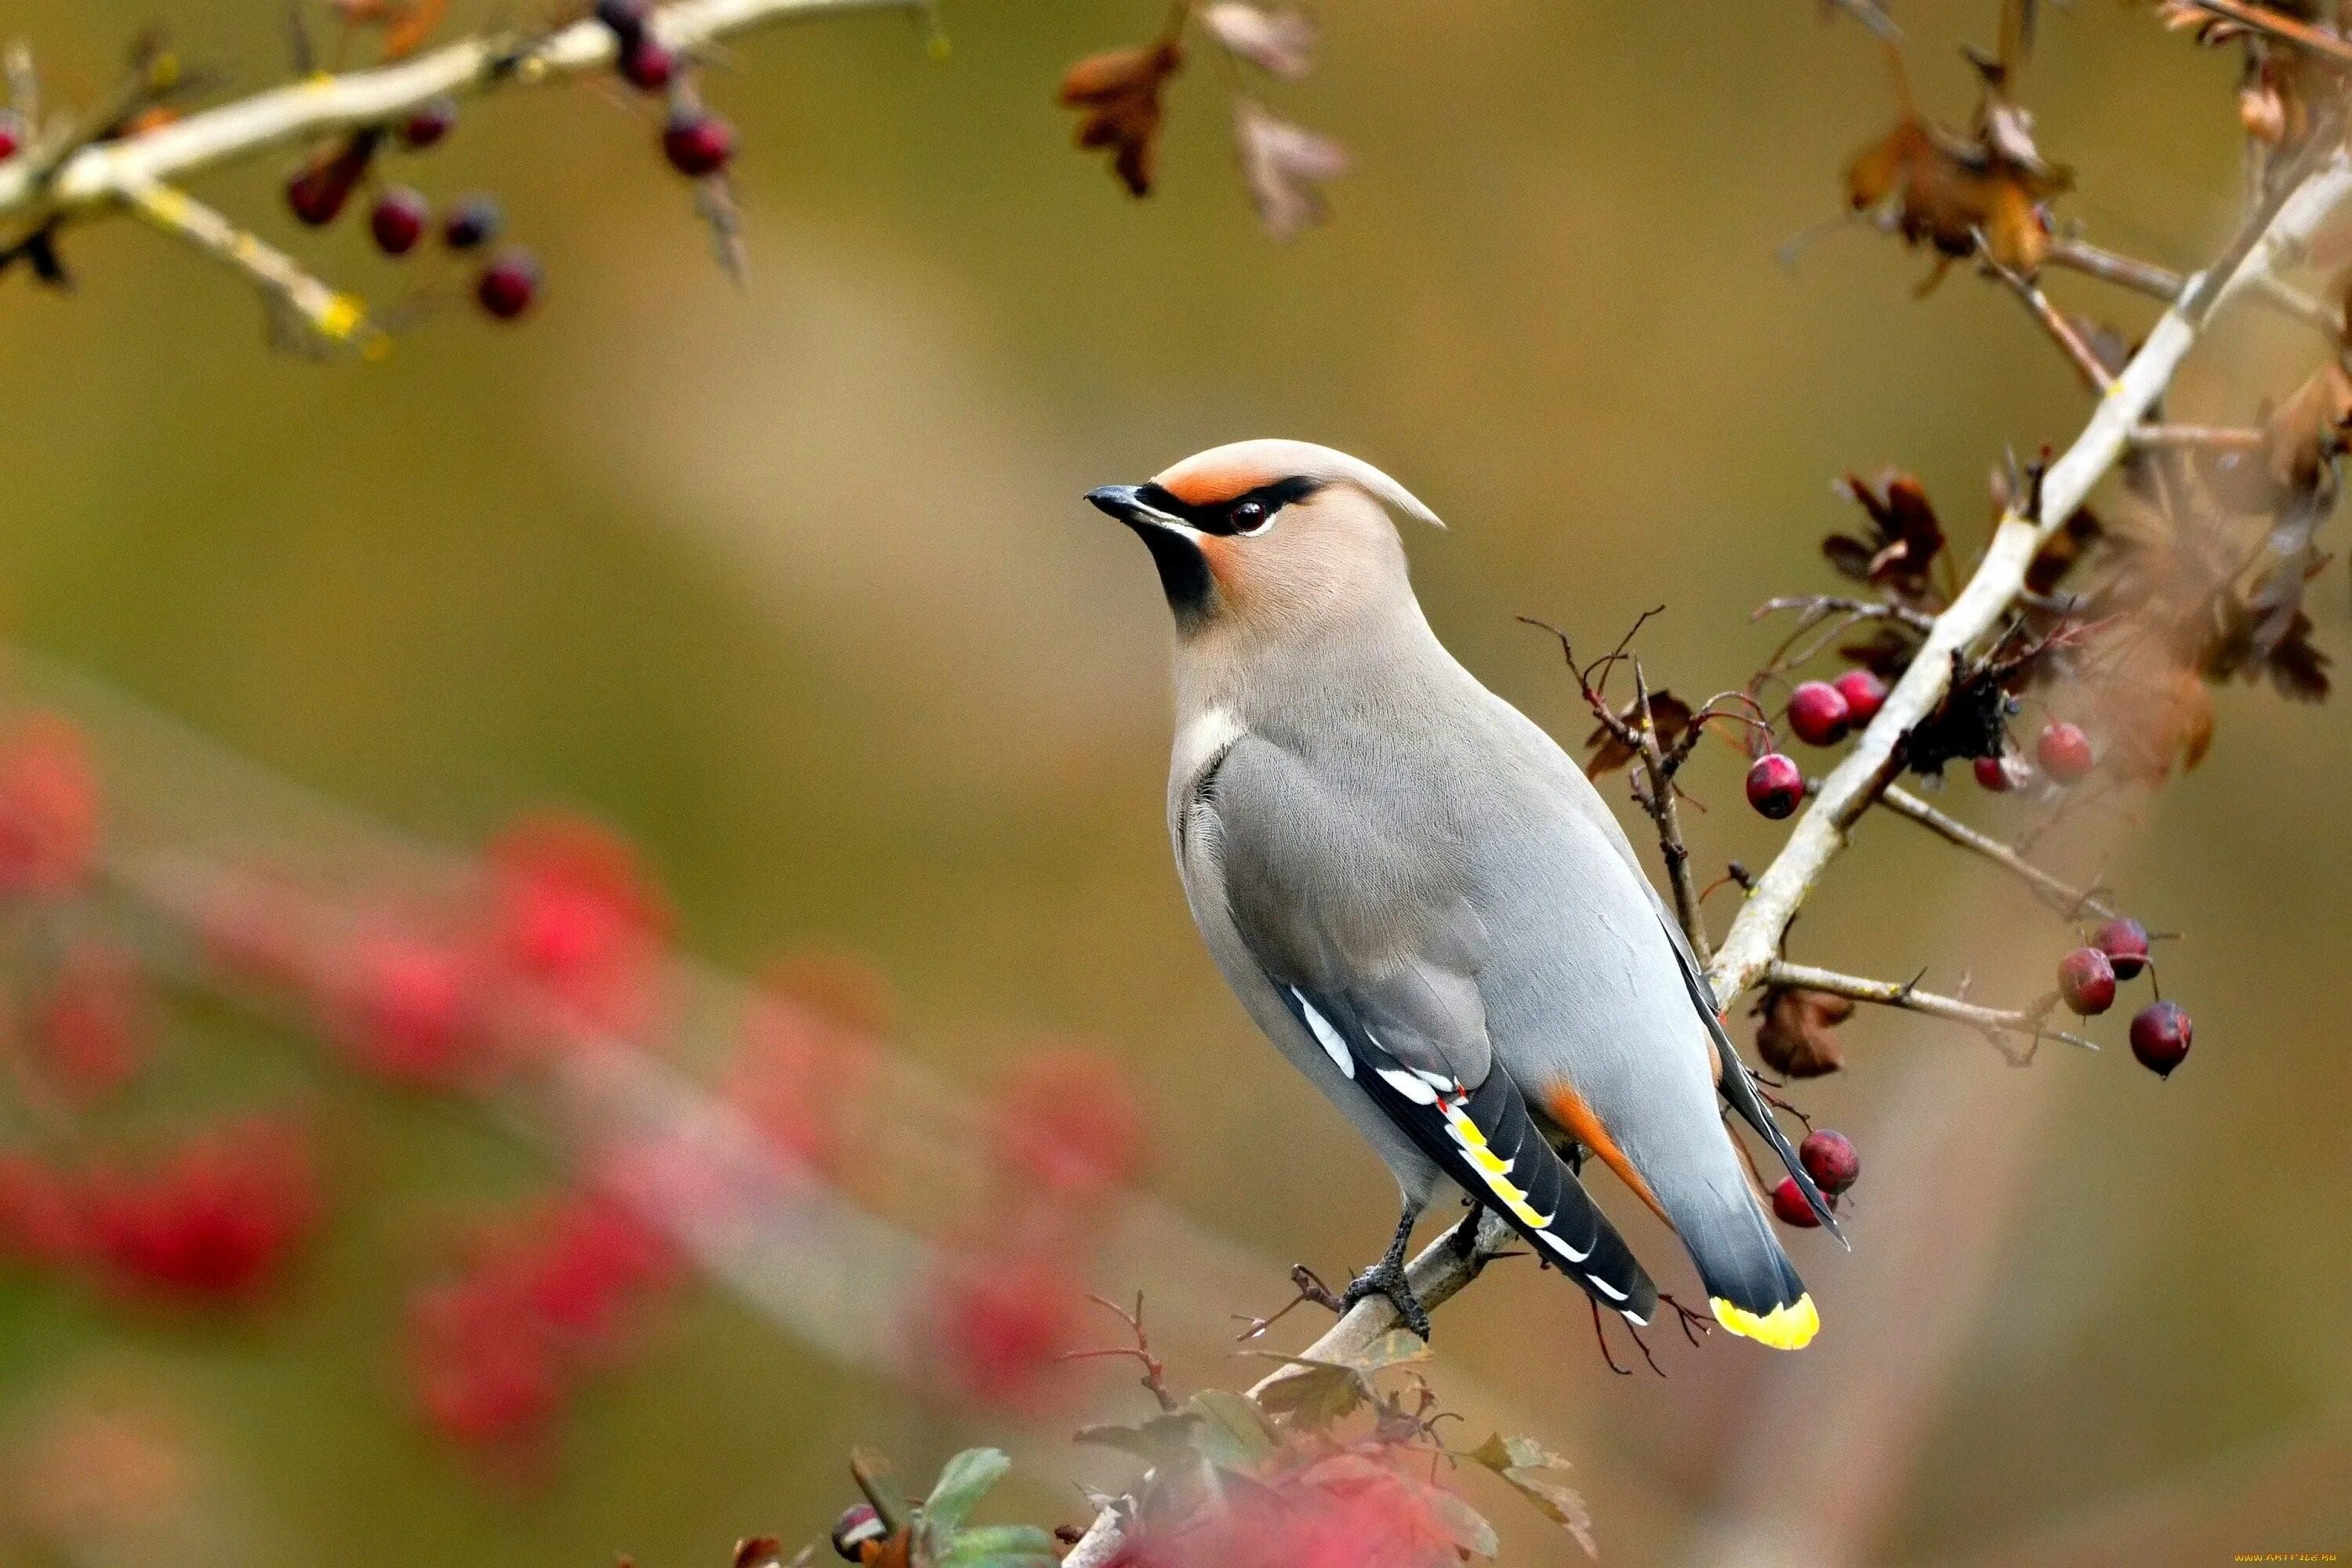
(1212, 481)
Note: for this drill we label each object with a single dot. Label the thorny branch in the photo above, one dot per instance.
(2069, 900)
(1997, 1024)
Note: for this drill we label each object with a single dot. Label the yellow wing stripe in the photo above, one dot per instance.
(1491, 1167)
(1785, 1327)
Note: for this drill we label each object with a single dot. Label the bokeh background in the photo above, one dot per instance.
(792, 586)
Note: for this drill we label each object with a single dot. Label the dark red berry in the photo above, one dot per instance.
(2087, 980)
(510, 284)
(2064, 753)
(855, 1529)
(647, 65)
(428, 122)
(2159, 1036)
(13, 132)
(2125, 942)
(400, 219)
(1789, 1202)
(1830, 1159)
(1776, 785)
(698, 143)
(320, 188)
(626, 19)
(1818, 713)
(1865, 694)
(1992, 773)
(474, 221)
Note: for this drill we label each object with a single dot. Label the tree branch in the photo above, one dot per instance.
(2277, 232)
(110, 172)
(1996, 1024)
(2068, 899)
(339, 318)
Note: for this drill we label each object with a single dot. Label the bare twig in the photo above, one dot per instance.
(2069, 900)
(2279, 25)
(2277, 231)
(1998, 1025)
(1657, 797)
(1820, 607)
(2200, 437)
(1155, 1370)
(340, 319)
(2086, 363)
(2080, 256)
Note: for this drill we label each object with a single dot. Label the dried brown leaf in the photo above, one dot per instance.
(1794, 1038)
(1117, 95)
(1279, 40)
(1669, 715)
(1905, 539)
(1283, 165)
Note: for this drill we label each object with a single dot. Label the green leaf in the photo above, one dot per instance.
(962, 1482)
(1234, 1432)
(1000, 1546)
(1466, 1525)
(1394, 1348)
(1314, 1394)
(1160, 1441)
(1535, 1472)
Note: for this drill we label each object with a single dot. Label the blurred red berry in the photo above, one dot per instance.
(40, 1213)
(1818, 713)
(1067, 1127)
(13, 133)
(255, 928)
(797, 1076)
(2065, 753)
(1993, 774)
(1354, 1511)
(215, 1220)
(1776, 785)
(509, 286)
(1865, 694)
(1789, 1202)
(429, 123)
(473, 222)
(626, 19)
(93, 1027)
(1830, 1159)
(399, 220)
(583, 1263)
(487, 1372)
(2125, 942)
(409, 1008)
(2087, 982)
(49, 808)
(1000, 1327)
(318, 190)
(698, 143)
(2160, 1033)
(646, 65)
(575, 916)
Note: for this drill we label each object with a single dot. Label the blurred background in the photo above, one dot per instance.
(791, 589)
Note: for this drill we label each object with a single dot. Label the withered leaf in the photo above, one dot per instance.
(2062, 552)
(1669, 715)
(1794, 1038)
(1971, 720)
(1283, 167)
(1117, 95)
(1905, 537)
(1314, 1394)
(1279, 40)
(2305, 435)
(1535, 1472)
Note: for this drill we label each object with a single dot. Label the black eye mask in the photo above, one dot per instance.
(1243, 513)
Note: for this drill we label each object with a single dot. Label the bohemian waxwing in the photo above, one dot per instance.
(1426, 904)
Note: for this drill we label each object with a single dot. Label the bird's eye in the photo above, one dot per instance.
(1251, 516)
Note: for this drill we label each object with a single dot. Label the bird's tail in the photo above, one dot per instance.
(1750, 1283)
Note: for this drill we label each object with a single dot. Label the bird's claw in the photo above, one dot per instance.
(1387, 1277)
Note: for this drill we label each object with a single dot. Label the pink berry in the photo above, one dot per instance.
(1776, 785)
(646, 66)
(1994, 775)
(1830, 1159)
(399, 221)
(428, 122)
(2087, 980)
(1865, 694)
(698, 143)
(2064, 753)
(2159, 1036)
(2125, 942)
(13, 133)
(1789, 1202)
(1818, 713)
(510, 284)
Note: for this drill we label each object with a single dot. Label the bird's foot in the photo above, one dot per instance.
(1387, 1277)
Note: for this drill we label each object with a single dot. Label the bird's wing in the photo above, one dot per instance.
(1355, 925)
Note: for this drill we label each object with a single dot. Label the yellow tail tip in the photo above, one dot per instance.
(1786, 1328)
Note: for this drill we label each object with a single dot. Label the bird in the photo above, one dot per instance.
(1426, 905)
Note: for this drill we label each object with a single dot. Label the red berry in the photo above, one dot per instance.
(855, 1529)
(1830, 1159)
(2125, 942)
(2064, 753)
(428, 122)
(2159, 1036)
(474, 221)
(1776, 785)
(1818, 713)
(2087, 980)
(698, 143)
(1789, 1202)
(1992, 773)
(626, 19)
(13, 132)
(1865, 694)
(645, 65)
(399, 220)
(320, 188)
(510, 284)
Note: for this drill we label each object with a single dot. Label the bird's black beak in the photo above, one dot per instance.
(1173, 543)
(1121, 501)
